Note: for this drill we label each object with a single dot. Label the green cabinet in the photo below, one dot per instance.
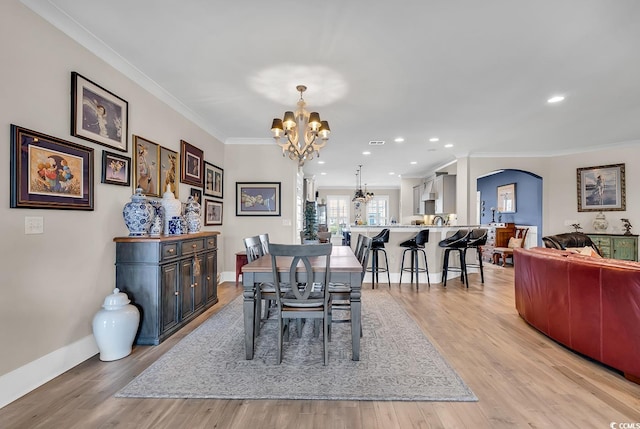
(171, 279)
(617, 246)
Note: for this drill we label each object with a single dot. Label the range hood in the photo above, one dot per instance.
(427, 193)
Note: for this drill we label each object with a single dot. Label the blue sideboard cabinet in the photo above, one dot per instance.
(171, 279)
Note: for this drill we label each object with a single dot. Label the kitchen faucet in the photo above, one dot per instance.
(436, 218)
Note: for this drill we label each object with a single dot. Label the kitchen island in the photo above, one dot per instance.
(400, 233)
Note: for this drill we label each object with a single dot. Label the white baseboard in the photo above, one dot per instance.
(23, 380)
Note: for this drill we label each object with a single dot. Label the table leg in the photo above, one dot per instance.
(356, 315)
(249, 311)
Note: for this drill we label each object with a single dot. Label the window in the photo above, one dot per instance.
(378, 210)
(337, 212)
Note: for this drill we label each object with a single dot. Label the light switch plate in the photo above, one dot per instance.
(34, 225)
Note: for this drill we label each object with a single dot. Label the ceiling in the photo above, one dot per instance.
(476, 74)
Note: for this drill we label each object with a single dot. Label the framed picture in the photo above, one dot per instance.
(116, 169)
(146, 166)
(168, 167)
(213, 177)
(601, 188)
(212, 212)
(191, 164)
(98, 115)
(258, 199)
(506, 198)
(49, 173)
(197, 195)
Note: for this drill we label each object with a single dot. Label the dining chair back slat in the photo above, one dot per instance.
(310, 298)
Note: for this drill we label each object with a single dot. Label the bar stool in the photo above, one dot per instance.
(457, 243)
(377, 245)
(477, 239)
(415, 245)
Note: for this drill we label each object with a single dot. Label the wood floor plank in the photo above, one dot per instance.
(521, 378)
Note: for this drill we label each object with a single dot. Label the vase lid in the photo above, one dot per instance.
(116, 300)
(138, 195)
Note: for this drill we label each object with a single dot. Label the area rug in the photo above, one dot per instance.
(397, 362)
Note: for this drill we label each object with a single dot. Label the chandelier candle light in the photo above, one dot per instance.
(302, 130)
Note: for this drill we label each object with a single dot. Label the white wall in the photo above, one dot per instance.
(559, 191)
(52, 284)
(257, 163)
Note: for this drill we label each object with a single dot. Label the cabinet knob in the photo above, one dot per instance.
(171, 250)
(176, 293)
(208, 277)
(210, 241)
(194, 246)
(192, 286)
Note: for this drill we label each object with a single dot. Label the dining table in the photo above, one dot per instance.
(344, 268)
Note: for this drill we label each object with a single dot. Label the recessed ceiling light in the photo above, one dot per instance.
(556, 99)
(320, 162)
(434, 139)
(399, 139)
(323, 174)
(366, 152)
(414, 162)
(448, 145)
(391, 173)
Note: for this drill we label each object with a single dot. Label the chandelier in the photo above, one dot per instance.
(360, 195)
(302, 130)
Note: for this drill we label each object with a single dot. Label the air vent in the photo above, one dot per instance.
(376, 142)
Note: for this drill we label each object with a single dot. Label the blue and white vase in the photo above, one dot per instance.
(192, 215)
(171, 208)
(174, 226)
(138, 214)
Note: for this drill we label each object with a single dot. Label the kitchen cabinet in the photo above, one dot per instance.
(171, 279)
(418, 204)
(616, 246)
(444, 187)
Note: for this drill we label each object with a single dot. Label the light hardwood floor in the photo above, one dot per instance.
(522, 379)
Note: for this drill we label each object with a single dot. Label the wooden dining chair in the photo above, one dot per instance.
(304, 301)
(517, 240)
(341, 292)
(266, 291)
(264, 241)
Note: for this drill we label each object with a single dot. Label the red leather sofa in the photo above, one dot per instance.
(591, 305)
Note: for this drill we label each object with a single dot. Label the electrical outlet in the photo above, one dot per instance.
(34, 225)
(286, 222)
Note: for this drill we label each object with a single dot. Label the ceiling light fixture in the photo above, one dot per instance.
(366, 152)
(399, 140)
(448, 145)
(302, 130)
(434, 139)
(361, 196)
(555, 99)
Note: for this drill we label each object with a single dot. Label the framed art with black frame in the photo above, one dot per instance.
(213, 177)
(258, 199)
(212, 212)
(191, 164)
(97, 114)
(116, 169)
(197, 195)
(49, 173)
